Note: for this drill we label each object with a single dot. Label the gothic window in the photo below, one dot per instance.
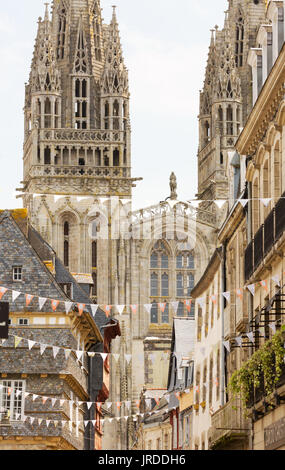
(80, 65)
(66, 253)
(61, 36)
(154, 313)
(47, 113)
(94, 255)
(159, 283)
(220, 119)
(230, 126)
(185, 267)
(239, 46)
(47, 159)
(81, 103)
(116, 157)
(179, 285)
(66, 244)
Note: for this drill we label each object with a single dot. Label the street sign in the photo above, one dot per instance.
(4, 317)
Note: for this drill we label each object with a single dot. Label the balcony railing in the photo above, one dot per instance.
(259, 393)
(228, 423)
(265, 238)
(79, 171)
(81, 135)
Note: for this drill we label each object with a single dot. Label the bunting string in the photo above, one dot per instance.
(133, 308)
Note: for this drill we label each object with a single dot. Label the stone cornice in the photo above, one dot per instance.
(264, 108)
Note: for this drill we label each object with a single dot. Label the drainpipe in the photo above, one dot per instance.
(250, 298)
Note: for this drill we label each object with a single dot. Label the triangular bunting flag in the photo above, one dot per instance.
(276, 279)
(17, 341)
(120, 308)
(54, 304)
(273, 327)
(68, 306)
(42, 348)
(239, 293)
(162, 306)
(104, 355)
(80, 308)
(29, 299)
(201, 302)
(188, 304)
(67, 353)
(220, 203)
(42, 301)
(227, 346)
(3, 290)
(251, 289)
(55, 351)
(227, 296)
(148, 307)
(89, 404)
(175, 306)
(31, 343)
(239, 341)
(250, 336)
(107, 309)
(15, 295)
(213, 298)
(116, 357)
(266, 201)
(243, 202)
(264, 285)
(94, 308)
(128, 358)
(79, 354)
(134, 309)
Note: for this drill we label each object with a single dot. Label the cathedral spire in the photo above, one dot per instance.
(115, 75)
(44, 76)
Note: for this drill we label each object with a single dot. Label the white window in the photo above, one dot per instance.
(12, 402)
(23, 321)
(17, 273)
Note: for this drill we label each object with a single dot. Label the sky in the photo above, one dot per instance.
(165, 45)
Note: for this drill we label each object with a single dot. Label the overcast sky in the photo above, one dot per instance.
(165, 45)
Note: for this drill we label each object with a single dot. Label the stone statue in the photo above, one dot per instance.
(173, 186)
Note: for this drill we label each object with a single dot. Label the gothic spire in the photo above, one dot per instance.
(81, 60)
(44, 75)
(115, 75)
(227, 81)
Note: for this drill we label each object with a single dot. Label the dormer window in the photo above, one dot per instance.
(17, 273)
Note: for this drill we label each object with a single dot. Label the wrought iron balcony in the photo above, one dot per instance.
(265, 238)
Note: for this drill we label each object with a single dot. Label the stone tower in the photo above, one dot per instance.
(77, 128)
(77, 160)
(225, 103)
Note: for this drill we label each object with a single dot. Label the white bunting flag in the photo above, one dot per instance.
(68, 306)
(53, 401)
(61, 402)
(148, 307)
(220, 203)
(109, 404)
(239, 340)
(128, 358)
(67, 353)
(42, 301)
(276, 279)
(47, 422)
(40, 421)
(227, 296)
(116, 357)
(243, 202)
(272, 326)
(266, 201)
(32, 420)
(201, 302)
(251, 289)
(94, 308)
(175, 306)
(42, 348)
(15, 295)
(86, 423)
(91, 354)
(34, 397)
(120, 308)
(89, 404)
(79, 354)
(93, 422)
(227, 346)
(55, 350)
(104, 355)
(128, 404)
(31, 343)
(250, 336)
